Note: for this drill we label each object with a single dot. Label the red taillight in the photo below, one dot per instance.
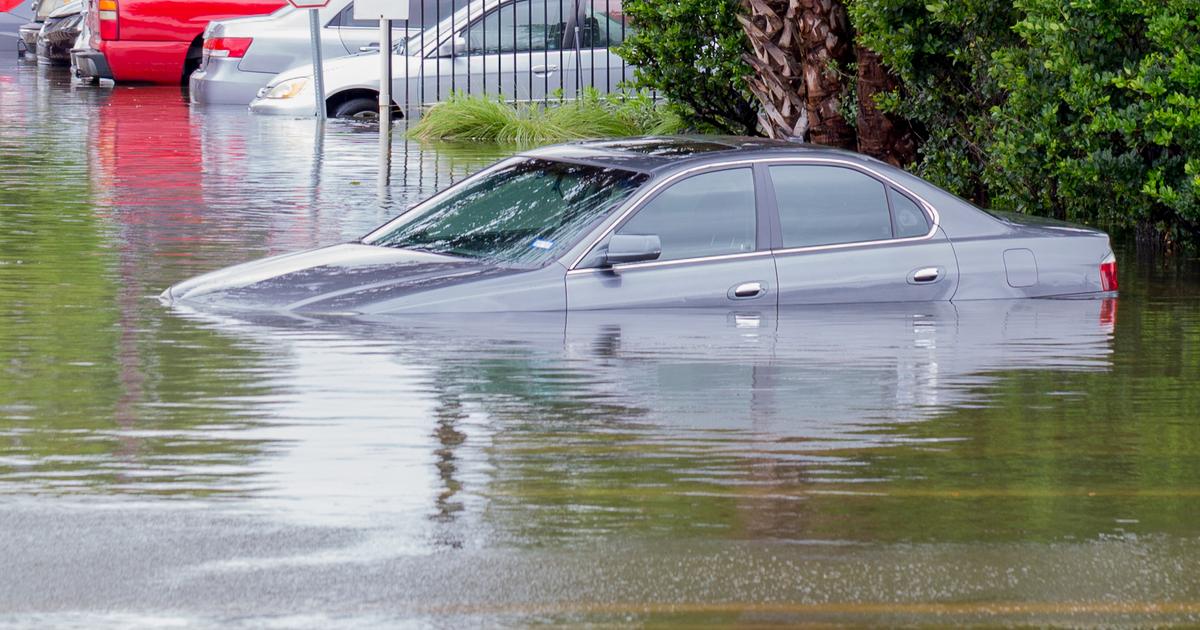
(1108, 274)
(227, 46)
(106, 11)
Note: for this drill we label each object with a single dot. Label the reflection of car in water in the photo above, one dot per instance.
(675, 222)
(820, 372)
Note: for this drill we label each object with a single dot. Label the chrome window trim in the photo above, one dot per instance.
(638, 201)
(668, 263)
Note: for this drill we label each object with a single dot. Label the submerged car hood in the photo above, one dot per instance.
(337, 279)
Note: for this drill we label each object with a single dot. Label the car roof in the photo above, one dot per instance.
(658, 154)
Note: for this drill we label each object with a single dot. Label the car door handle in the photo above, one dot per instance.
(540, 70)
(747, 290)
(924, 275)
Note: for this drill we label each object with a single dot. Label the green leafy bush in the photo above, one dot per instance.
(591, 116)
(1086, 110)
(690, 51)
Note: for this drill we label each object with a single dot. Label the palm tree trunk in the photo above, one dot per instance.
(777, 83)
(799, 49)
(881, 135)
(827, 46)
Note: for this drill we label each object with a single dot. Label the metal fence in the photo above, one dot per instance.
(518, 50)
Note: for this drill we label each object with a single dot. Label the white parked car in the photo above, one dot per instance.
(241, 55)
(522, 49)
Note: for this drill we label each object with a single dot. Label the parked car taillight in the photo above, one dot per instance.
(107, 12)
(1108, 273)
(227, 46)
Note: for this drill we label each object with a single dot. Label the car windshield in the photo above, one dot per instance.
(525, 212)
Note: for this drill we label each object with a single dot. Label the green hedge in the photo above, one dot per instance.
(1086, 110)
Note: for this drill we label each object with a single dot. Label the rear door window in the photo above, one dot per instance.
(829, 205)
(704, 215)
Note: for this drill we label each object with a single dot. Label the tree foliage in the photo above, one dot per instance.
(690, 51)
(1087, 110)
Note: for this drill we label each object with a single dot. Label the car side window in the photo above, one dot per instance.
(910, 220)
(829, 205)
(523, 26)
(704, 215)
(604, 24)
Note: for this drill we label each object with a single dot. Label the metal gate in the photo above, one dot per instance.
(516, 50)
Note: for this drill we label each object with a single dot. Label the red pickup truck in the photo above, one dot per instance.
(153, 41)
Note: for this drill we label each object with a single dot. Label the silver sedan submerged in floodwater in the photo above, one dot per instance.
(674, 222)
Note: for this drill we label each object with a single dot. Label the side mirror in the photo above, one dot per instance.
(628, 248)
(452, 47)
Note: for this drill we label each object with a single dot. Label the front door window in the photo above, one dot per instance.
(705, 215)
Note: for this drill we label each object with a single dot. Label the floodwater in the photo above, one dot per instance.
(1031, 462)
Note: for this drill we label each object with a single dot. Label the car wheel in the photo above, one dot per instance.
(361, 108)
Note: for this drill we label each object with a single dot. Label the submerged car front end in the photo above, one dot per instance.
(290, 93)
(293, 93)
(361, 279)
(493, 242)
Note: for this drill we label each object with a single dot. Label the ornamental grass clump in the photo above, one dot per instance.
(491, 119)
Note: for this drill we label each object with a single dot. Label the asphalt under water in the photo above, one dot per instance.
(1032, 462)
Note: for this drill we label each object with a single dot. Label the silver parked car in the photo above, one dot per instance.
(241, 55)
(523, 49)
(675, 222)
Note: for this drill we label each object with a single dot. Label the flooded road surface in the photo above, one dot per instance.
(1033, 462)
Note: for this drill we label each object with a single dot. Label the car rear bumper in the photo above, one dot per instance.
(90, 64)
(148, 62)
(220, 82)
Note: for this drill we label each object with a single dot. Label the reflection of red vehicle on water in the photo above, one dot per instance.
(156, 41)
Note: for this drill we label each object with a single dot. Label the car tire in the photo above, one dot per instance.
(362, 108)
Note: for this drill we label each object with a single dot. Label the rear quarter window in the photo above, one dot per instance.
(829, 205)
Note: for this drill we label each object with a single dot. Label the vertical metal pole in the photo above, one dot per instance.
(621, 8)
(385, 107)
(578, 65)
(592, 34)
(516, 94)
(385, 75)
(562, 46)
(607, 46)
(314, 28)
(437, 76)
(546, 51)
